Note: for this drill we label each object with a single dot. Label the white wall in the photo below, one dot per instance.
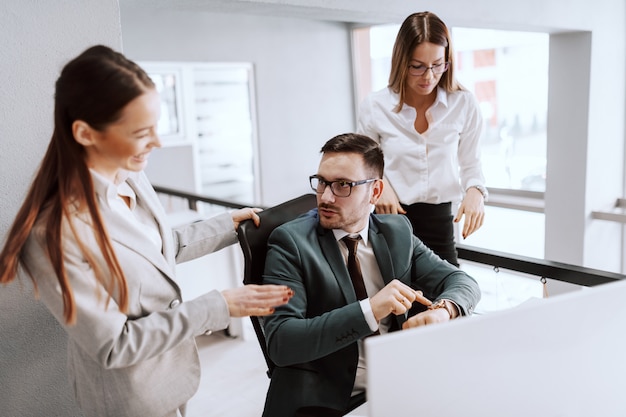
(302, 77)
(38, 38)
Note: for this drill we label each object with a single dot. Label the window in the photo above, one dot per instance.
(208, 108)
(508, 73)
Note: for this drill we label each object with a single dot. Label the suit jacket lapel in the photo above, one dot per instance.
(164, 260)
(385, 264)
(130, 235)
(331, 252)
(382, 253)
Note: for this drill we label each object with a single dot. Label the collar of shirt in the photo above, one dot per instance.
(440, 98)
(110, 192)
(340, 234)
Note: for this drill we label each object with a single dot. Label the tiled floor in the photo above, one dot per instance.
(233, 381)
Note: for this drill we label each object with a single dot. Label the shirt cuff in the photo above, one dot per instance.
(458, 309)
(366, 307)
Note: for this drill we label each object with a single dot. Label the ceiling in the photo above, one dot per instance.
(353, 11)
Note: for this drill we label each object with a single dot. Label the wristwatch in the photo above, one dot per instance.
(442, 304)
(483, 191)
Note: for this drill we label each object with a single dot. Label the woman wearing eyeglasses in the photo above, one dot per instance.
(429, 128)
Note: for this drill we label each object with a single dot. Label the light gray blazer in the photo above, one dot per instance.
(144, 362)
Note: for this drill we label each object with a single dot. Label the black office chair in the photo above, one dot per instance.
(253, 241)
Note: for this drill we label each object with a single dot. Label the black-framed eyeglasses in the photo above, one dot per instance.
(340, 188)
(437, 69)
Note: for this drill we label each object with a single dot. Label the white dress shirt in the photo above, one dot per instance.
(436, 166)
(373, 284)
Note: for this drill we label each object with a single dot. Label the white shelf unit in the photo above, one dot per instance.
(209, 135)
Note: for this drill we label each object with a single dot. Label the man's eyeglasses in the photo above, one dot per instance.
(340, 188)
(437, 69)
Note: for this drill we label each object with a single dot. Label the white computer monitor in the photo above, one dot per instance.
(563, 356)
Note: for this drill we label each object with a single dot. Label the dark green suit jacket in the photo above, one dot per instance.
(313, 339)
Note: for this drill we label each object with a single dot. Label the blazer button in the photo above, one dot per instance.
(175, 302)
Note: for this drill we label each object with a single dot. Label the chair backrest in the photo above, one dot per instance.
(253, 241)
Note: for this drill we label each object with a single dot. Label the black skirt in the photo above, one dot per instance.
(433, 225)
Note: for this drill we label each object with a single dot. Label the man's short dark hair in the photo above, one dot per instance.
(361, 144)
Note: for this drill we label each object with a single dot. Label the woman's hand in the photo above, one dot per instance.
(473, 207)
(245, 214)
(256, 300)
(388, 202)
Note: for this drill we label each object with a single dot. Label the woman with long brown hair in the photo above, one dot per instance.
(429, 127)
(94, 239)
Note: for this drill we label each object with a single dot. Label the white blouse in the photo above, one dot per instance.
(113, 195)
(436, 166)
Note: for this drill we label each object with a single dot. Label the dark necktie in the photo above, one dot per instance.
(354, 268)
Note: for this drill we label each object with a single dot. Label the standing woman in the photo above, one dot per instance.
(429, 129)
(94, 239)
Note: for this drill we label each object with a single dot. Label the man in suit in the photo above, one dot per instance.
(316, 339)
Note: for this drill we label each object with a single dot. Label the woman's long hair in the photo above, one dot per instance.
(94, 87)
(415, 30)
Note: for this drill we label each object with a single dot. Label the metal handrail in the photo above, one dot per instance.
(193, 198)
(614, 214)
(572, 274)
(524, 200)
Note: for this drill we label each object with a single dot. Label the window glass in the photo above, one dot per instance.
(508, 73)
(511, 231)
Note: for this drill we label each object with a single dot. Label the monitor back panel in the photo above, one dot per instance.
(559, 357)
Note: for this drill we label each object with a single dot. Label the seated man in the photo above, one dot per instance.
(316, 339)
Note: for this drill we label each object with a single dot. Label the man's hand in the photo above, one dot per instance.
(395, 298)
(438, 315)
